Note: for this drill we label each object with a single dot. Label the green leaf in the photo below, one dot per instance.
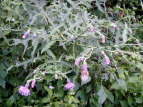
(121, 83)
(130, 101)
(24, 42)
(82, 95)
(124, 35)
(102, 95)
(2, 82)
(123, 103)
(109, 95)
(134, 79)
(84, 82)
(70, 57)
(50, 92)
(45, 100)
(28, 76)
(141, 4)
(99, 7)
(139, 100)
(3, 72)
(6, 40)
(10, 101)
(35, 43)
(50, 53)
(48, 45)
(140, 66)
(115, 86)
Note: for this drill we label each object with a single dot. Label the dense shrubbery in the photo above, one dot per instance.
(76, 53)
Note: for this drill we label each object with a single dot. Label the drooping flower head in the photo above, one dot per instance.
(130, 31)
(25, 34)
(115, 26)
(69, 85)
(84, 66)
(102, 52)
(91, 29)
(42, 72)
(34, 72)
(77, 61)
(134, 19)
(107, 60)
(23, 90)
(34, 34)
(138, 42)
(103, 39)
(33, 83)
(84, 74)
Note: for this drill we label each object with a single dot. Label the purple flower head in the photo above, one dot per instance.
(23, 90)
(34, 34)
(134, 19)
(103, 39)
(84, 75)
(116, 28)
(34, 72)
(138, 42)
(91, 29)
(77, 61)
(69, 85)
(130, 31)
(33, 83)
(114, 25)
(42, 72)
(51, 87)
(102, 52)
(82, 59)
(84, 66)
(107, 60)
(56, 76)
(25, 34)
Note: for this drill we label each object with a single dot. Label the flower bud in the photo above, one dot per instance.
(107, 60)
(91, 29)
(77, 61)
(102, 52)
(51, 87)
(130, 31)
(33, 83)
(25, 34)
(103, 39)
(34, 34)
(84, 66)
(84, 75)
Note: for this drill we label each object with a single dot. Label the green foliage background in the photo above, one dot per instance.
(62, 35)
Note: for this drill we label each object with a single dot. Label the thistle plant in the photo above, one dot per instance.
(64, 42)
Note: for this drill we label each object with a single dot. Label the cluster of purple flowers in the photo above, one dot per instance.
(23, 90)
(69, 85)
(84, 74)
